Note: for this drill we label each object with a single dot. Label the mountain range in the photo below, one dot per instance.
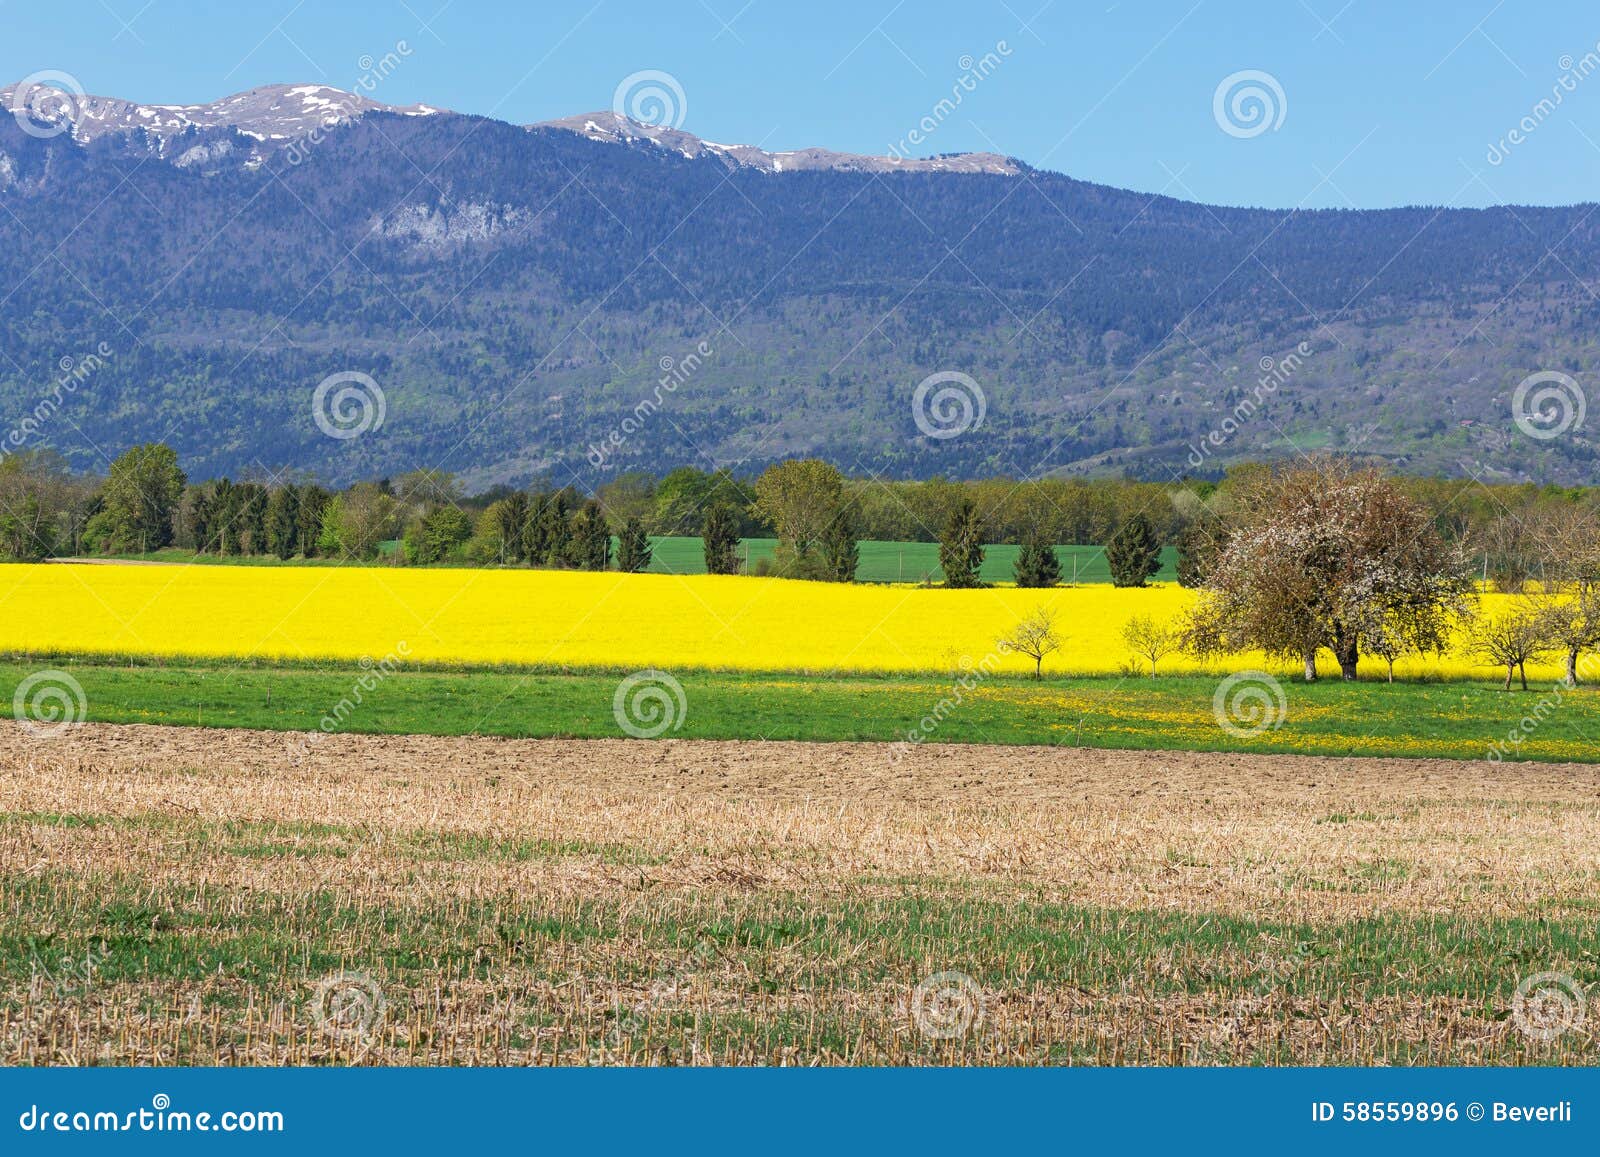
(586, 296)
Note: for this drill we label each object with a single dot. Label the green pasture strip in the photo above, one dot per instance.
(1455, 719)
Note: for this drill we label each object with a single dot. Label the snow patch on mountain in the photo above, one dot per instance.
(613, 128)
(279, 114)
(275, 112)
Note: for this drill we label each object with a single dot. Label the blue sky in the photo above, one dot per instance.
(1372, 103)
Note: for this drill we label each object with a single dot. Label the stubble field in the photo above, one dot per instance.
(180, 895)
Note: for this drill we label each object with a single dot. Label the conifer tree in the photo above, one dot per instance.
(961, 546)
(841, 550)
(589, 538)
(1134, 553)
(720, 536)
(633, 547)
(1037, 565)
(283, 521)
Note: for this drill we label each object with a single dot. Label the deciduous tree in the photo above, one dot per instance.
(1034, 636)
(1322, 554)
(357, 520)
(1512, 639)
(141, 491)
(1150, 640)
(801, 500)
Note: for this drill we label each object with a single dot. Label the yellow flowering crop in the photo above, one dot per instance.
(573, 618)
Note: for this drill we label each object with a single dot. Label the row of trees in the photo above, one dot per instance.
(146, 503)
(813, 510)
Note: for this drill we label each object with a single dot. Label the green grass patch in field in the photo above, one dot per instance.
(140, 933)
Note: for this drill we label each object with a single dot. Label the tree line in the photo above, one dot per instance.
(1228, 534)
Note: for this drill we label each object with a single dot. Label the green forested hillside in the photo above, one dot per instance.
(667, 311)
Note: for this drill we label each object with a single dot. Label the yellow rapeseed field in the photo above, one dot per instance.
(570, 618)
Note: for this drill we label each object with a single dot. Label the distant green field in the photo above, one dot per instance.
(881, 562)
(888, 562)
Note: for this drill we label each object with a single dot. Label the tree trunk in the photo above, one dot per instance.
(1511, 669)
(1391, 670)
(1311, 666)
(1522, 669)
(1347, 655)
(1038, 667)
(1572, 667)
